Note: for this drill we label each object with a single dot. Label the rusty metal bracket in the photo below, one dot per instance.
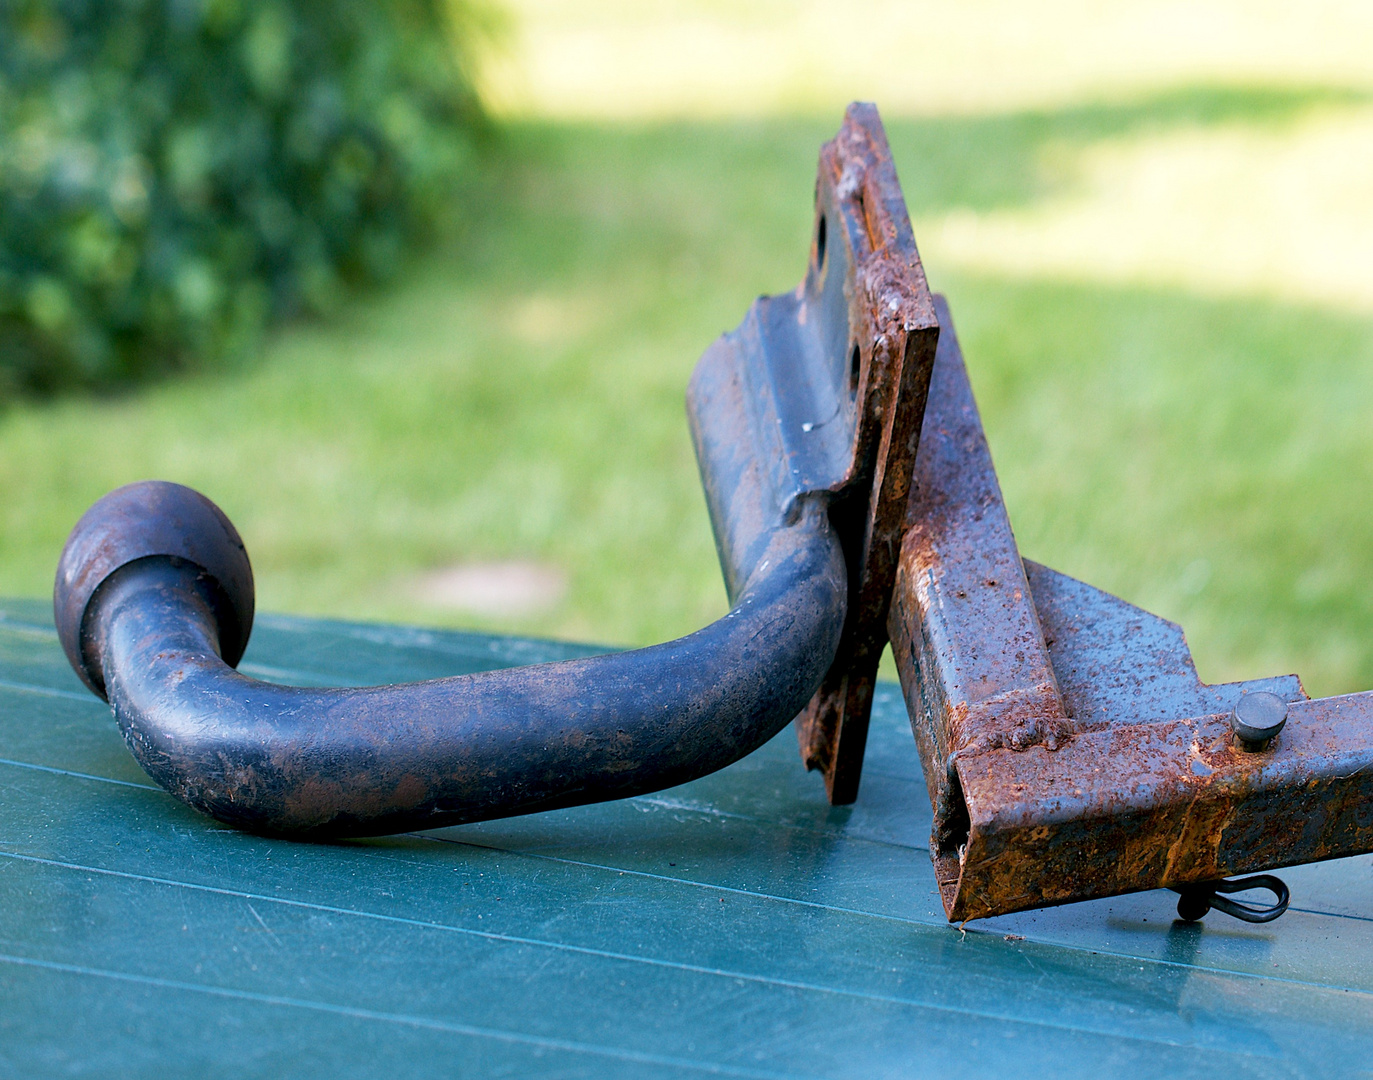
(1069, 748)
(833, 378)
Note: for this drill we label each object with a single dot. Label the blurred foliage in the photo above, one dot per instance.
(174, 173)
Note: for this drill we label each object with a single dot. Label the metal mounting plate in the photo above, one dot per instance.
(830, 380)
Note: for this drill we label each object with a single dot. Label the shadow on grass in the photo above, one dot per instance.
(975, 162)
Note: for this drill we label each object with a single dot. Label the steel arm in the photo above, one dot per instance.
(321, 763)
(798, 417)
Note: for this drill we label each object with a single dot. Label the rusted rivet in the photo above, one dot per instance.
(1256, 718)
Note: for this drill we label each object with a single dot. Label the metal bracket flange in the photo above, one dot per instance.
(863, 239)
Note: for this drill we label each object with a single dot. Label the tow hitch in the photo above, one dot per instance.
(1069, 748)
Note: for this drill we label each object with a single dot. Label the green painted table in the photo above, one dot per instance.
(735, 926)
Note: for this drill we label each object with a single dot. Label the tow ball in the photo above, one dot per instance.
(1069, 749)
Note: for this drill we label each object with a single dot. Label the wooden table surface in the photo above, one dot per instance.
(735, 926)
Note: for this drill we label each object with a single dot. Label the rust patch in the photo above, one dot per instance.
(894, 329)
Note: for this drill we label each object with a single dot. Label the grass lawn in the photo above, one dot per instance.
(519, 396)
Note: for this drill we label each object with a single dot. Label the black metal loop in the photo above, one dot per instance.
(1194, 901)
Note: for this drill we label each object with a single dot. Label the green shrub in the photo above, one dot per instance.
(174, 173)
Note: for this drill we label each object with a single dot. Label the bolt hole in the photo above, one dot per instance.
(820, 244)
(855, 367)
(952, 823)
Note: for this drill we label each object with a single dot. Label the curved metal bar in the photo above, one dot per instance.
(318, 763)
(805, 421)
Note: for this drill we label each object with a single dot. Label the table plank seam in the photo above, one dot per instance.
(685, 808)
(51, 691)
(668, 878)
(882, 915)
(513, 939)
(24, 628)
(293, 676)
(78, 775)
(690, 882)
(354, 1012)
(790, 984)
(707, 811)
(1331, 914)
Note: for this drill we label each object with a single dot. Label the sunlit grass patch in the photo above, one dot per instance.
(651, 59)
(1274, 210)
